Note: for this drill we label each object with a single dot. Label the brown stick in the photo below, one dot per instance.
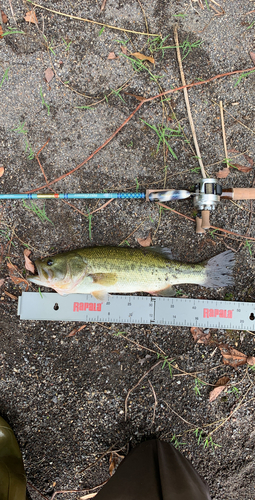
(36, 489)
(136, 385)
(90, 20)
(213, 227)
(223, 131)
(103, 5)
(131, 116)
(79, 491)
(155, 399)
(186, 97)
(90, 156)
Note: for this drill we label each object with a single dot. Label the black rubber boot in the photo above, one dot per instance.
(12, 473)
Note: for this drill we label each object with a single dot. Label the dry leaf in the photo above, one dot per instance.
(222, 174)
(112, 463)
(241, 168)
(30, 17)
(142, 57)
(145, 242)
(231, 356)
(1, 171)
(249, 159)
(4, 17)
(219, 387)
(112, 56)
(222, 381)
(200, 336)
(252, 54)
(11, 267)
(16, 279)
(251, 360)
(124, 49)
(216, 392)
(1, 31)
(49, 74)
(28, 264)
(1, 282)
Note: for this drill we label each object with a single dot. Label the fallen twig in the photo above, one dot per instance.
(90, 495)
(137, 227)
(156, 401)
(186, 97)
(13, 16)
(98, 459)
(70, 16)
(36, 489)
(100, 208)
(40, 165)
(79, 491)
(223, 132)
(232, 412)
(211, 227)
(139, 345)
(144, 15)
(139, 381)
(195, 84)
(103, 5)
(177, 414)
(66, 202)
(238, 121)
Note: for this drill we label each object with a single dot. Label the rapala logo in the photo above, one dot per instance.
(221, 313)
(84, 306)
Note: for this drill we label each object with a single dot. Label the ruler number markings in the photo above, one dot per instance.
(139, 309)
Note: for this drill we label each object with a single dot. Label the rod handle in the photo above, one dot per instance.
(243, 194)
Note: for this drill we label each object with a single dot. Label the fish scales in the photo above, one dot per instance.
(103, 270)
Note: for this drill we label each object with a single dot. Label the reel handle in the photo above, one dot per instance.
(205, 219)
(199, 228)
(202, 221)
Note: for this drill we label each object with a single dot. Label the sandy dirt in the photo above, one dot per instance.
(65, 396)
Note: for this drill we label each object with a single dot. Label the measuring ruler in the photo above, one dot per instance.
(134, 309)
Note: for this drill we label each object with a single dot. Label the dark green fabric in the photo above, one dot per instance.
(155, 470)
(12, 474)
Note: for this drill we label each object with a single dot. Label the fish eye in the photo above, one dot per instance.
(49, 262)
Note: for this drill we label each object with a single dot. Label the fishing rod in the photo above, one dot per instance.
(149, 195)
(207, 195)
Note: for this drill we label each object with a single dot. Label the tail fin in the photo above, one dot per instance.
(219, 270)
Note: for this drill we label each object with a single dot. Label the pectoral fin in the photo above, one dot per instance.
(166, 292)
(101, 295)
(104, 279)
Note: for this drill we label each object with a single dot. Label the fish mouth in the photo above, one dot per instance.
(42, 277)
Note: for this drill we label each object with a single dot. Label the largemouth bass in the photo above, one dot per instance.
(102, 270)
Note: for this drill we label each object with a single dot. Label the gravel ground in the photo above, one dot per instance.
(65, 396)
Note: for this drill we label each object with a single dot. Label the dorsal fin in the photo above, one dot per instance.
(163, 251)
